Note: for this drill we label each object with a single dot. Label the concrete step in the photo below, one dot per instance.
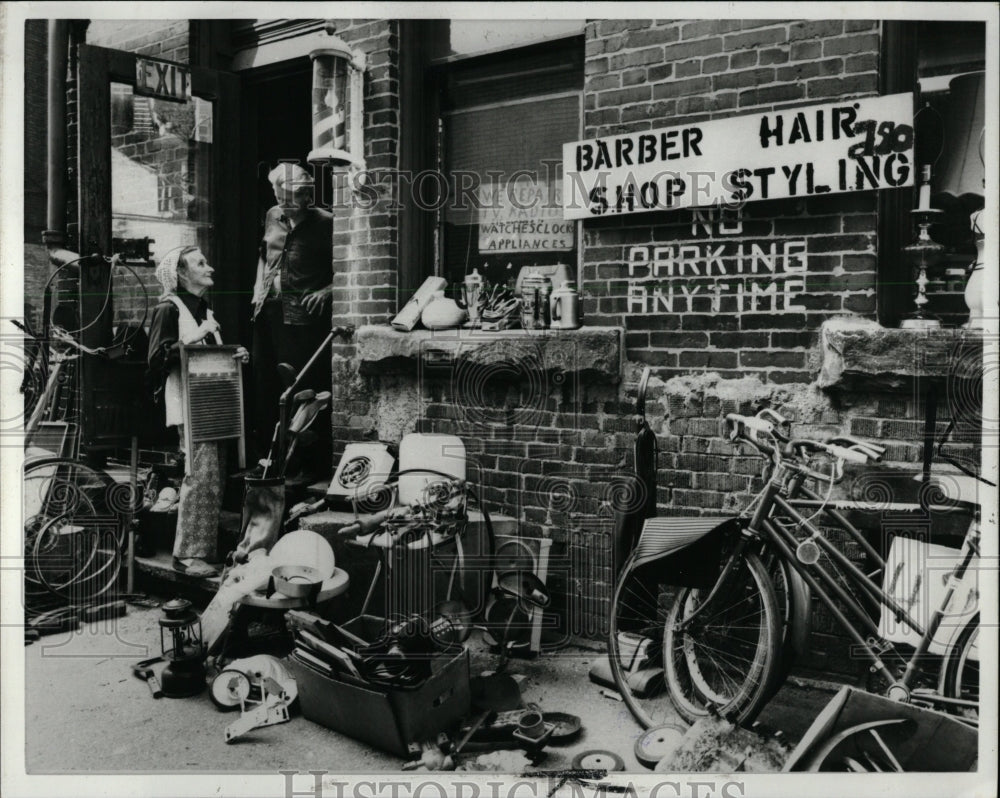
(156, 575)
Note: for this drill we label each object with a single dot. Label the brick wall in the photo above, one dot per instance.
(166, 39)
(703, 292)
(366, 232)
(551, 451)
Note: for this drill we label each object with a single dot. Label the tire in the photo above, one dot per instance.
(869, 747)
(961, 677)
(74, 530)
(727, 661)
(638, 618)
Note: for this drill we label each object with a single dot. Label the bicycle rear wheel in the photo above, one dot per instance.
(727, 657)
(635, 643)
(961, 676)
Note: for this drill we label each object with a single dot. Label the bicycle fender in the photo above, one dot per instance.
(950, 647)
(800, 613)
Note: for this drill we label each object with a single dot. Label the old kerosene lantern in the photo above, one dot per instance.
(184, 674)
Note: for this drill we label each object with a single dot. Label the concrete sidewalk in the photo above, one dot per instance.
(86, 713)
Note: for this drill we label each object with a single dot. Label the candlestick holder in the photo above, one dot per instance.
(923, 254)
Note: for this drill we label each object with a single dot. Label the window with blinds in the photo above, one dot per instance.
(504, 120)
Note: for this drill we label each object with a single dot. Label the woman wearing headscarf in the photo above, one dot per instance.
(184, 317)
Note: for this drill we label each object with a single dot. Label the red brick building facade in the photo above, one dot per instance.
(728, 308)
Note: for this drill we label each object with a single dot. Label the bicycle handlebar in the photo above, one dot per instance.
(872, 450)
(849, 455)
(737, 422)
(844, 449)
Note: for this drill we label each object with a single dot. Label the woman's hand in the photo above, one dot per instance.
(242, 355)
(205, 329)
(315, 301)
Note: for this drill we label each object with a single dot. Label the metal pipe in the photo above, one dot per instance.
(58, 59)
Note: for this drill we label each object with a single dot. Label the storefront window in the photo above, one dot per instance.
(504, 120)
(926, 58)
(160, 170)
(950, 63)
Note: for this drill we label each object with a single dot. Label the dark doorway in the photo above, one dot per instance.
(283, 126)
(275, 126)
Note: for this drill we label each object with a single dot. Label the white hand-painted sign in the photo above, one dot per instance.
(522, 217)
(855, 145)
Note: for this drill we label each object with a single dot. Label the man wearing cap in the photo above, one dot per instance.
(291, 309)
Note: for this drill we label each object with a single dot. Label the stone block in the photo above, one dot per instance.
(859, 352)
(593, 354)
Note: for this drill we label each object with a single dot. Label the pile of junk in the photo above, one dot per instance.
(397, 674)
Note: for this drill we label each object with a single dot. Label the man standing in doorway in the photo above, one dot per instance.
(291, 298)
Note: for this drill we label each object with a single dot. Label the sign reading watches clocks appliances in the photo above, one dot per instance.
(855, 145)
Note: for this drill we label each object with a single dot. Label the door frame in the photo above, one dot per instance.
(248, 245)
(98, 68)
(110, 409)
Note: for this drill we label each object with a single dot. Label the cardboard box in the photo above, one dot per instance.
(388, 718)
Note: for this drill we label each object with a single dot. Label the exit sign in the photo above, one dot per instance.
(162, 80)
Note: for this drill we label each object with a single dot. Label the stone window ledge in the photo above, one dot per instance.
(858, 353)
(593, 353)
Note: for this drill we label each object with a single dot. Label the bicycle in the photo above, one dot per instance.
(75, 515)
(728, 612)
(75, 527)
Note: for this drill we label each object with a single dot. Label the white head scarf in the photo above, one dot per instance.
(166, 271)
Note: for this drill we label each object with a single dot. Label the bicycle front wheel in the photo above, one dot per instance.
(724, 655)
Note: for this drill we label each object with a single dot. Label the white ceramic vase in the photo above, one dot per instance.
(442, 313)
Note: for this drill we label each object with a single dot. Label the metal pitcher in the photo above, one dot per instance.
(565, 307)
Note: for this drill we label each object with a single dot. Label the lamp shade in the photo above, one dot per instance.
(961, 171)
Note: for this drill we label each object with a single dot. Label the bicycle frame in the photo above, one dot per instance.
(769, 535)
(764, 526)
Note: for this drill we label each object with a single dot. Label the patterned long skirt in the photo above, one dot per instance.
(200, 501)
